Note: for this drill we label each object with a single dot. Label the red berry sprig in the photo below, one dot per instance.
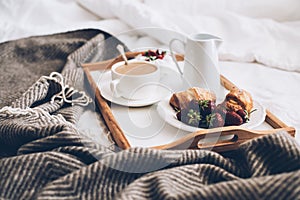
(154, 55)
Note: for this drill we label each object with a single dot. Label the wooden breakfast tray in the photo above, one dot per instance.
(189, 141)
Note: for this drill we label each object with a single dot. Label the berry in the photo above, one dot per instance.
(202, 124)
(160, 57)
(232, 118)
(244, 115)
(193, 117)
(221, 109)
(193, 104)
(154, 55)
(151, 53)
(216, 121)
(180, 115)
(206, 107)
(189, 116)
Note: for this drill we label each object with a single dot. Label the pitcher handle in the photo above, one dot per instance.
(172, 54)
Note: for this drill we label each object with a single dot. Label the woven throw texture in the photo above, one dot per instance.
(44, 156)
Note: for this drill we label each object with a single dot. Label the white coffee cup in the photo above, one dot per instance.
(136, 81)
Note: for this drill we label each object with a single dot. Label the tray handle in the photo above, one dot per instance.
(198, 140)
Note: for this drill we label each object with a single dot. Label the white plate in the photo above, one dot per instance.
(166, 87)
(167, 113)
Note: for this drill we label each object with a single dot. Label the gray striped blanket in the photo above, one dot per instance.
(43, 155)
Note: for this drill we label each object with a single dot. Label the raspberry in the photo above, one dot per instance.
(154, 55)
(160, 57)
(151, 53)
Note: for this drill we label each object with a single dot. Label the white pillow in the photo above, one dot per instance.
(280, 10)
(98, 7)
(102, 8)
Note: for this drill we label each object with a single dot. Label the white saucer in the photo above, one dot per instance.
(168, 114)
(166, 86)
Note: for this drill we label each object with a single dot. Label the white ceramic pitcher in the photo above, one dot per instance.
(201, 67)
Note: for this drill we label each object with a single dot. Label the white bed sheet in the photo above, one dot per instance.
(276, 89)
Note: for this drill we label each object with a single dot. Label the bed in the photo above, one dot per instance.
(260, 50)
(259, 53)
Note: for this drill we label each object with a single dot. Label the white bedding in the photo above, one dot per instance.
(260, 52)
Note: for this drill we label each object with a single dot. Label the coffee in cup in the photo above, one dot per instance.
(137, 80)
(136, 68)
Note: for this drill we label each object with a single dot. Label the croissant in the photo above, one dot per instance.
(181, 100)
(238, 99)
